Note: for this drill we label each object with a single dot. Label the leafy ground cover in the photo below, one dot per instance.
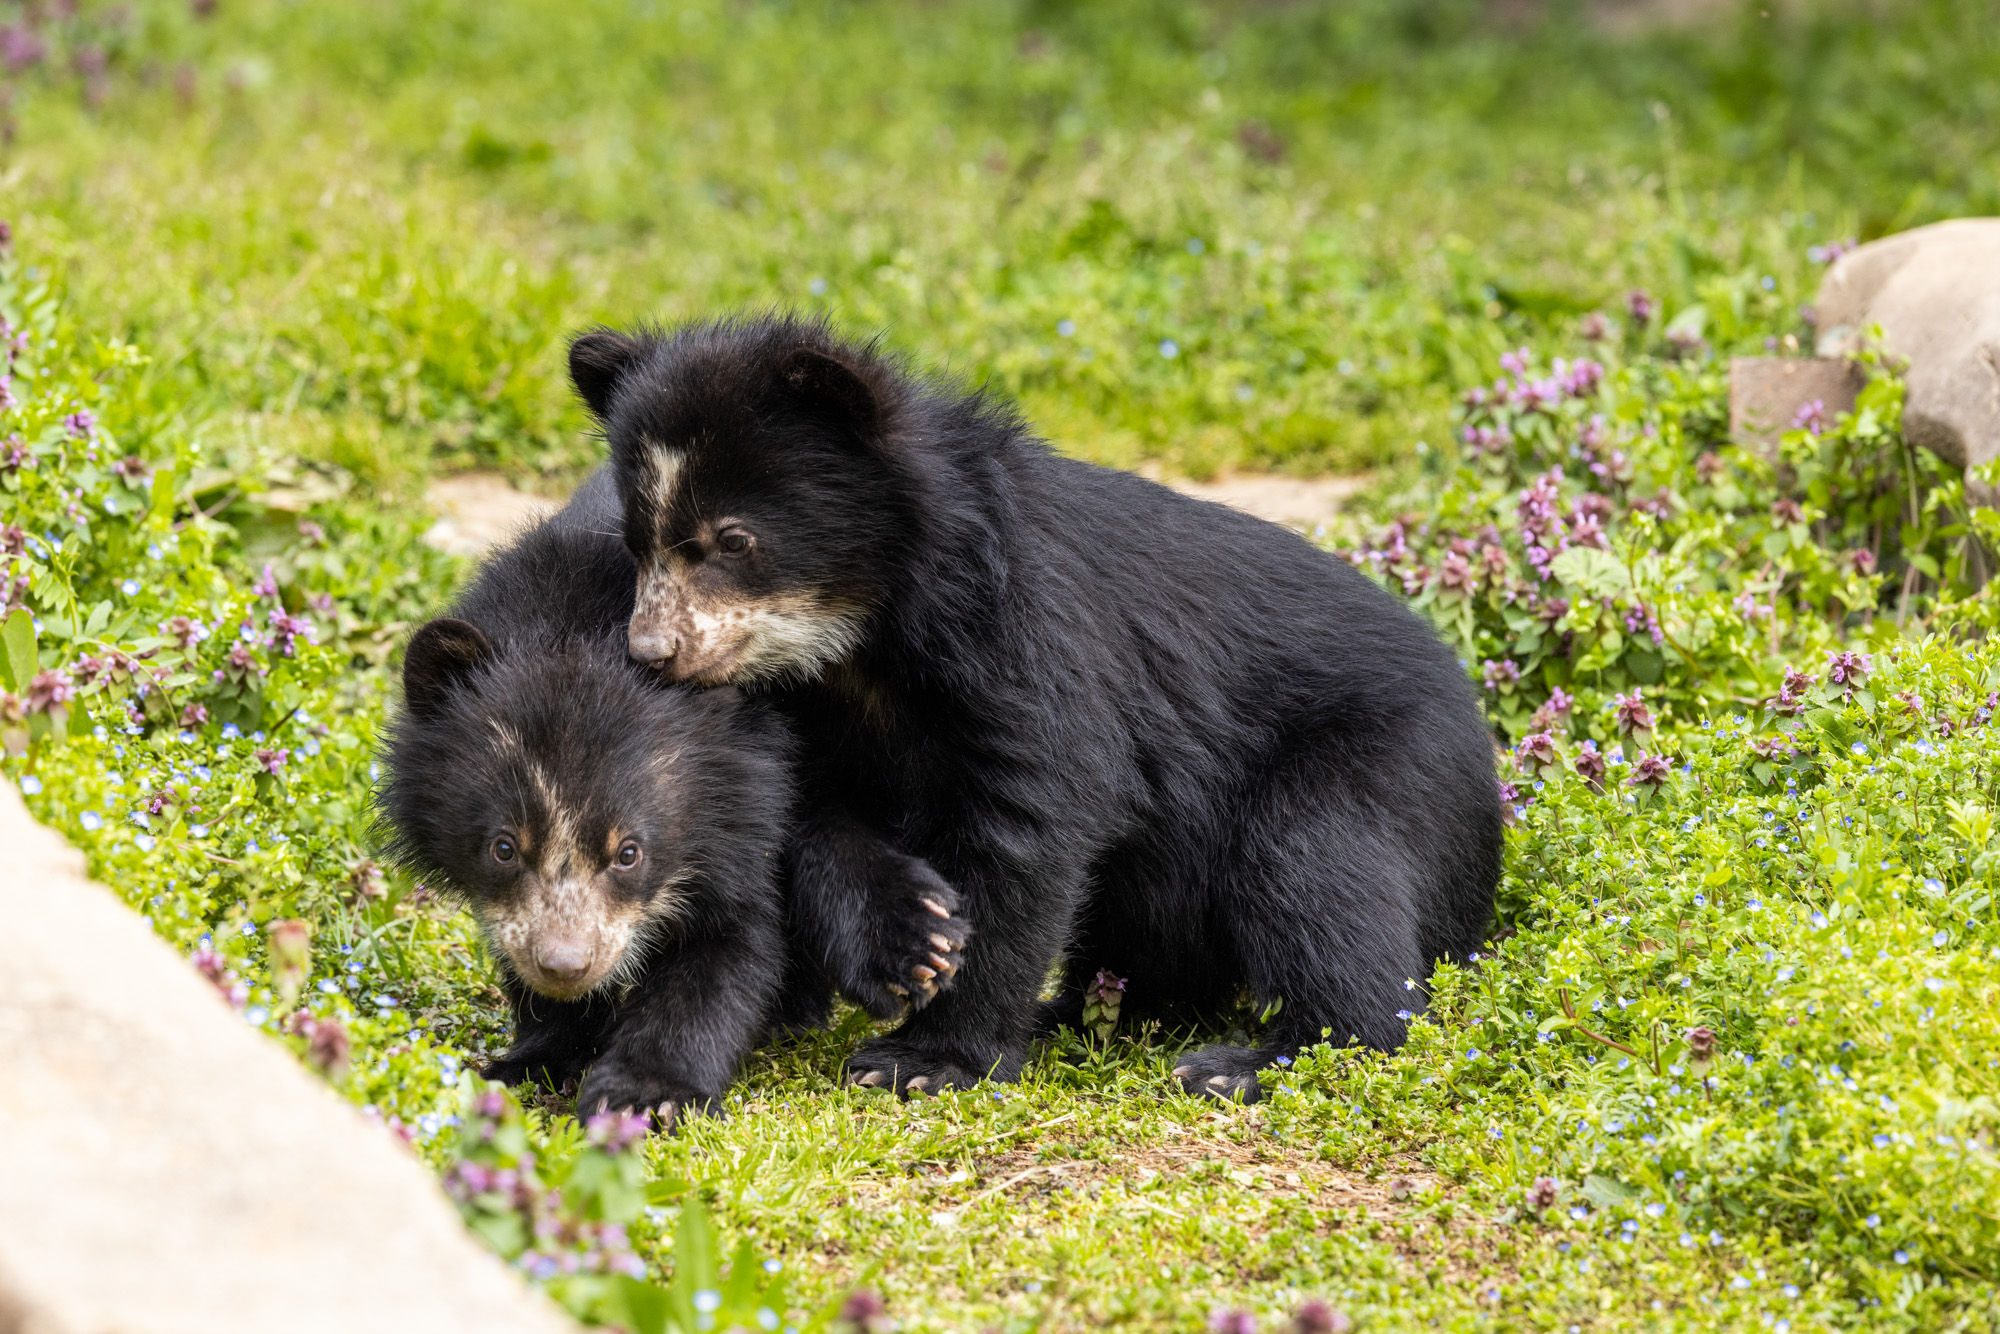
(1730, 1060)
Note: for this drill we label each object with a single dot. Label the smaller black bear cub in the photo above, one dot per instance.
(620, 842)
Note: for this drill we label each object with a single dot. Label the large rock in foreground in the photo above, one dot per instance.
(1936, 293)
(165, 1168)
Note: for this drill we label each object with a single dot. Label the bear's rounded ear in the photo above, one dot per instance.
(439, 660)
(830, 387)
(598, 359)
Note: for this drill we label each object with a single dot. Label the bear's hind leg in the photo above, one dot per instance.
(1323, 912)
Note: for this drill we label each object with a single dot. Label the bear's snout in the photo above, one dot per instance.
(651, 642)
(564, 958)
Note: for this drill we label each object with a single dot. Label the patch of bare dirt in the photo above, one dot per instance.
(479, 510)
(1301, 503)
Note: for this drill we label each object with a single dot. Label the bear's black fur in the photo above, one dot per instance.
(529, 735)
(1136, 730)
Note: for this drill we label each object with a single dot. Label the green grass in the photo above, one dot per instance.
(369, 228)
(363, 238)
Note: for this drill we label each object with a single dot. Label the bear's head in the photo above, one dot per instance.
(572, 800)
(763, 493)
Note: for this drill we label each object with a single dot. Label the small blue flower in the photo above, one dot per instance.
(1902, 1257)
(91, 820)
(1873, 1220)
(1405, 1015)
(130, 588)
(145, 842)
(817, 287)
(1066, 328)
(30, 784)
(1195, 245)
(1169, 348)
(1881, 1141)
(230, 731)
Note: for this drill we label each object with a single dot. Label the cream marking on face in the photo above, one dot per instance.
(787, 636)
(662, 475)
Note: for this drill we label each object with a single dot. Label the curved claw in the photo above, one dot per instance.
(936, 908)
(923, 974)
(921, 1084)
(867, 1079)
(943, 944)
(943, 965)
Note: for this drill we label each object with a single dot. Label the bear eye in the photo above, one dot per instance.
(503, 850)
(734, 541)
(628, 855)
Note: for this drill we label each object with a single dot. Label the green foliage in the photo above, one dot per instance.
(1730, 1060)
(364, 230)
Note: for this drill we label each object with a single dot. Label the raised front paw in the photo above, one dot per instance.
(1227, 1074)
(918, 944)
(615, 1087)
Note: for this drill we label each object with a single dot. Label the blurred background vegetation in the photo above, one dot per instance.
(1235, 233)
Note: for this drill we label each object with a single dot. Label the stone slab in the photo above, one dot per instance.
(1766, 393)
(1935, 292)
(165, 1169)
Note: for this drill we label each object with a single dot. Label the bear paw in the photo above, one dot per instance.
(518, 1067)
(1227, 1074)
(922, 945)
(614, 1088)
(907, 1070)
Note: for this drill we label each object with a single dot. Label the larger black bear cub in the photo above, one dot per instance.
(1135, 730)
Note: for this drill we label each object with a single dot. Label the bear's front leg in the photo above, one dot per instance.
(703, 1002)
(553, 1040)
(888, 928)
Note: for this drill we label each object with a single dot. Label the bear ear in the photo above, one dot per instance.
(440, 658)
(831, 387)
(598, 359)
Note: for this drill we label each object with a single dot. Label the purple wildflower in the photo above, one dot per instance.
(865, 1312)
(80, 424)
(1319, 1318)
(1589, 763)
(1537, 752)
(1846, 668)
(16, 455)
(50, 690)
(1650, 771)
(1749, 608)
(1640, 306)
(186, 631)
(1786, 510)
(194, 715)
(1631, 712)
(1863, 561)
(1832, 250)
(273, 760)
(616, 1132)
(267, 584)
(1502, 673)
(1594, 327)
(1542, 1194)
(1791, 696)
(21, 47)
(1232, 1322)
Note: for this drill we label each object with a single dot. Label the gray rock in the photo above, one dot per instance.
(1936, 293)
(166, 1169)
(1766, 393)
